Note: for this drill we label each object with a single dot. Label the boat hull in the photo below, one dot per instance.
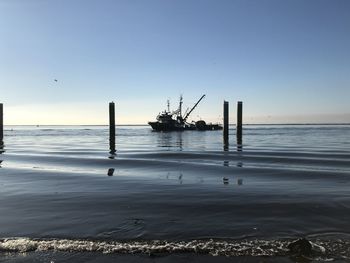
(209, 127)
(203, 126)
(159, 126)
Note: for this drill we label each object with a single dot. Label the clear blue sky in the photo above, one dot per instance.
(288, 61)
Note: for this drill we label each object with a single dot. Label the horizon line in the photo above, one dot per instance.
(231, 124)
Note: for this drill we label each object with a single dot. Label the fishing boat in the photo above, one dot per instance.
(174, 121)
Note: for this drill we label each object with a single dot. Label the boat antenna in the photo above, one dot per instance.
(195, 105)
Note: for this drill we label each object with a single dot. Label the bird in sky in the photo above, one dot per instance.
(55, 80)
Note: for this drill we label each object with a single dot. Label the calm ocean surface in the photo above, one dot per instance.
(174, 192)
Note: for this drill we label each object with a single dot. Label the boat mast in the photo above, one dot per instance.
(180, 107)
(168, 102)
(195, 105)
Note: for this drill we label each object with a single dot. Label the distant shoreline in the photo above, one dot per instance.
(140, 125)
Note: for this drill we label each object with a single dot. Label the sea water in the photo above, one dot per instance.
(174, 193)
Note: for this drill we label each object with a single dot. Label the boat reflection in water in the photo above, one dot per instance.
(174, 121)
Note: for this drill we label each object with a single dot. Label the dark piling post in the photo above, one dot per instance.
(226, 125)
(112, 128)
(1, 125)
(239, 122)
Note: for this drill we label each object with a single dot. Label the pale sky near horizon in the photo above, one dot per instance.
(288, 61)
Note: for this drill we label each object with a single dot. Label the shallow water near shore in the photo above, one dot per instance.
(174, 195)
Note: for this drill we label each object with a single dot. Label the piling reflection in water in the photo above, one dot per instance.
(226, 163)
(112, 156)
(178, 177)
(239, 144)
(239, 164)
(226, 146)
(1, 151)
(110, 171)
(239, 150)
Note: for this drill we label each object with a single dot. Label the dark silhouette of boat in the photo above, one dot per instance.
(174, 121)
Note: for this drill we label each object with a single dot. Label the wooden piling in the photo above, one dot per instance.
(1, 125)
(239, 121)
(112, 127)
(226, 123)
